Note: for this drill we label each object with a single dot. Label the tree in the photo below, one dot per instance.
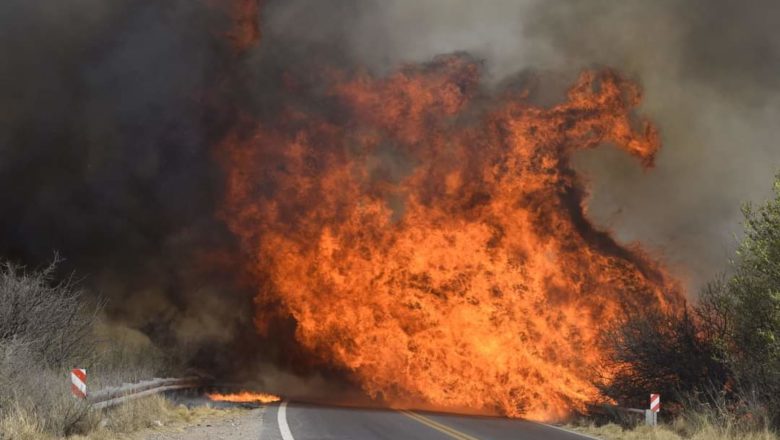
(752, 304)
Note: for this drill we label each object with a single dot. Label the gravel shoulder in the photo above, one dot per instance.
(236, 424)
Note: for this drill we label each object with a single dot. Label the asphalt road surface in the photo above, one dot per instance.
(299, 421)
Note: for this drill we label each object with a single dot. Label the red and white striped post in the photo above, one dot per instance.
(78, 382)
(651, 415)
(655, 403)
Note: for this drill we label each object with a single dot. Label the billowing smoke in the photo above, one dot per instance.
(105, 134)
(109, 112)
(708, 69)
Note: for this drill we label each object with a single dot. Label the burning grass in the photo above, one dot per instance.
(244, 397)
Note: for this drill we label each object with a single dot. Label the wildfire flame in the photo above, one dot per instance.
(430, 236)
(244, 397)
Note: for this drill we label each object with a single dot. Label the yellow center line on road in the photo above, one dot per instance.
(452, 432)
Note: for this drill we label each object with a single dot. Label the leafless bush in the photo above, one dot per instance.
(14, 361)
(46, 328)
(665, 352)
(52, 319)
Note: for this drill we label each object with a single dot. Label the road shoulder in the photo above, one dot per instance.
(233, 424)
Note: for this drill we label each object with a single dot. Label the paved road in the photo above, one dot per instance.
(298, 421)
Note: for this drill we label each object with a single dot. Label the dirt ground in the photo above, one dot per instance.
(234, 425)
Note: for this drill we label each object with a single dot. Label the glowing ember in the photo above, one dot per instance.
(244, 397)
(431, 238)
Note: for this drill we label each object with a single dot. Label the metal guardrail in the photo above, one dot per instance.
(650, 417)
(112, 396)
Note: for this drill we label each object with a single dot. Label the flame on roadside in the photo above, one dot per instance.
(244, 397)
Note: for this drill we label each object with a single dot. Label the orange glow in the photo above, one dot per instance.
(246, 30)
(244, 397)
(430, 236)
(244, 27)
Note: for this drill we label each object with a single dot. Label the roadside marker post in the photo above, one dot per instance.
(78, 382)
(651, 415)
(655, 403)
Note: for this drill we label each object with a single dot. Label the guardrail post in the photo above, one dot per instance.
(655, 406)
(651, 417)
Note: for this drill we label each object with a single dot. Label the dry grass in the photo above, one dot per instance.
(154, 412)
(40, 399)
(18, 424)
(680, 429)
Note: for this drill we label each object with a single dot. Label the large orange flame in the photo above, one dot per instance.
(431, 239)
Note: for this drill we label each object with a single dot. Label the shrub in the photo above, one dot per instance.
(50, 319)
(46, 328)
(664, 352)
